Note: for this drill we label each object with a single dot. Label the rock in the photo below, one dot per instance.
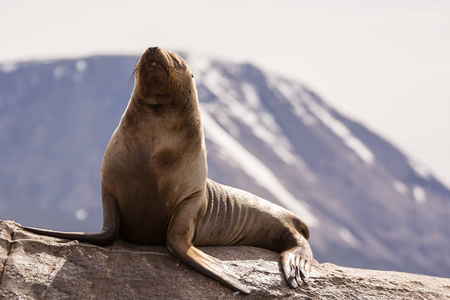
(40, 267)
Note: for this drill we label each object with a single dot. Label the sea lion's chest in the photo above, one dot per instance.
(146, 185)
(143, 167)
(150, 165)
(149, 177)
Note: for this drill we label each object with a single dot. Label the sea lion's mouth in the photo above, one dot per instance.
(154, 63)
(154, 66)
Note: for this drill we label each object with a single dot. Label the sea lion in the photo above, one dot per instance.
(155, 189)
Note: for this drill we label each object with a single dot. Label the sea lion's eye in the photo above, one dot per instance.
(192, 75)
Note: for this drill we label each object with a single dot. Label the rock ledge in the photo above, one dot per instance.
(39, 267)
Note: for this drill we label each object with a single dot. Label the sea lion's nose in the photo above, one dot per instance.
(152, 49)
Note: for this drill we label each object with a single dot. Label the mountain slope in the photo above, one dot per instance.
(367, 203)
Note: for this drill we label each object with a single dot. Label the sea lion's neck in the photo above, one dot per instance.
(162, 106)
(176, 119)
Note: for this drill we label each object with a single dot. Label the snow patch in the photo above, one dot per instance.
(81, 65)
(359, 148)
(287, 89)
(419, 194)
(58, 72)
(349, 237)
(226, 122)
(81, 214)
(420, 168)
(290, 91)
(400, 187)
(242, 102)
(9, 68)
(308, 120)
(342, 131)
(251, 96)
(262, 175)
(299, 99)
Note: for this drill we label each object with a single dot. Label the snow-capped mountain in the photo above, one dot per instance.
(367, 203)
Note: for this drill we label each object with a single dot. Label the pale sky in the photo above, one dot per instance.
(385, 63)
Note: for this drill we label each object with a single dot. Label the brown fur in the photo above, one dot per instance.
(155, 189)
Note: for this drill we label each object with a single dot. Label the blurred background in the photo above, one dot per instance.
(337, 110)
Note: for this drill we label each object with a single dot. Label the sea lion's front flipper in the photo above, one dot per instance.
(296, 264)
(211, 267)
(111, 221)
(179, 241)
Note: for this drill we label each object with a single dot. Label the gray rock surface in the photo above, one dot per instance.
(39, 267)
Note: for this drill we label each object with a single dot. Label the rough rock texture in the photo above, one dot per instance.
(38, 267)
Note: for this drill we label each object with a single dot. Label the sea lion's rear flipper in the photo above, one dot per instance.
(179, 241)
(111, 220)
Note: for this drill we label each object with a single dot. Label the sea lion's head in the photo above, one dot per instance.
(162, 73)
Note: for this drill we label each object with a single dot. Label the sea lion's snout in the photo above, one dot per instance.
(153, 49)
(155, 57)
(153, 52)
(160, 71)
(154, 67)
